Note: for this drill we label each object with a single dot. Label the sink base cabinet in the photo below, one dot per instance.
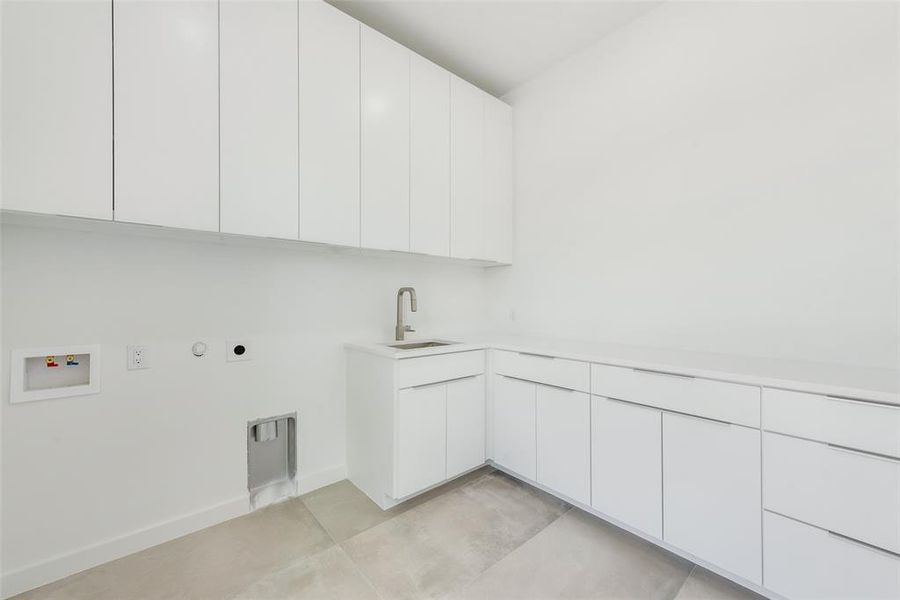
(413, 423)
(421, 444)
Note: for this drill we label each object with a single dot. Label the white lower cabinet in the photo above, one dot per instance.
(440, 433)
(465, 424)
(841, 490)
(807, 563)
(421, 438)
(563, 434)
(626, 463)
(711, 492)
(514, 425)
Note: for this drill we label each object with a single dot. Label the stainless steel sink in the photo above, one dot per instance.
(418, 345)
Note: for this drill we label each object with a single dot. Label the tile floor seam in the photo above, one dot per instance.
(681, 587)
(361, 572)
(534, 535)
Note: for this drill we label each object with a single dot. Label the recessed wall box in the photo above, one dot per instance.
(54, 372)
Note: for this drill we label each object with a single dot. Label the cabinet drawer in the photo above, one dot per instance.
(443, 367)
(560, 372)
(851, 423)
(730, 402)
(853, 494)
(808, 563)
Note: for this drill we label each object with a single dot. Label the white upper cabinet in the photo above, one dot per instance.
(57, 107)
(466, 169)
(166, 113)
(429, 175)
(329, 125)
(384, 109)
(498, 180)
(258, 121)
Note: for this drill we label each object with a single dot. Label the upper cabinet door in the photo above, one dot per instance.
(57, 107)
(466, 169)
(498, 180)
(429, 176)
(329, 125)
(384, 110)
(258, 120)
(166, 113)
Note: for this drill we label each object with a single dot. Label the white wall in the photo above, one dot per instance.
(717, 177)
(166, 442)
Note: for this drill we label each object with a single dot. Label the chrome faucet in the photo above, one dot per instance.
(401, 328)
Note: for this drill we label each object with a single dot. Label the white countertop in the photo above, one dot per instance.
(879, 385)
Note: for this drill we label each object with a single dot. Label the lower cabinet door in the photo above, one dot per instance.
(808, 563)
(626, 463)
(564, 442)
(514, 425)
(421, 442)
(711, 492)
(465, 424)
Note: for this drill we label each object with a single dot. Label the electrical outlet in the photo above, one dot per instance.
(138, 358)
(237, 350)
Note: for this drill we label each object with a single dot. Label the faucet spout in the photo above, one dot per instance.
(401, 328)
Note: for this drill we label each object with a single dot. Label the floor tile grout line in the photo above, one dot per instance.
(500, 559)
(681, 587)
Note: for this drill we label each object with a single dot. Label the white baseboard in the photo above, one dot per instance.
(64, 565)
(313, 481)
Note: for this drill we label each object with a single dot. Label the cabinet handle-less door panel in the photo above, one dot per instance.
(429, 176)
(384, 107)
(258, 103)
(329, 125)
(514, 425)
(57, 107)
(563, 426)
(421, 440)
(626, 463)
(808, 563)
(498, 180)
(465, 425)
(711, 492)
(466, 169)
(166, 113)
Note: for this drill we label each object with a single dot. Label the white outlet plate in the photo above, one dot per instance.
(138, 358)
(234, 352)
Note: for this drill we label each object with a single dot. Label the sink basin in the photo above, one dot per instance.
(419, 345)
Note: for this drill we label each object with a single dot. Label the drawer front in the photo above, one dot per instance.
(839, 490)
(808, 563)
(730, 402)
(560, 372)
(443, 367)
(851, 423)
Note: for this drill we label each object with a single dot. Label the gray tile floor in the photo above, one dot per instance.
(485, 535)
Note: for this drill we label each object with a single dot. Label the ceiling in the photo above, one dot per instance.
(497, 44)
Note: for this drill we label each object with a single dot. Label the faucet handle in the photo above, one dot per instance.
(408, 328)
